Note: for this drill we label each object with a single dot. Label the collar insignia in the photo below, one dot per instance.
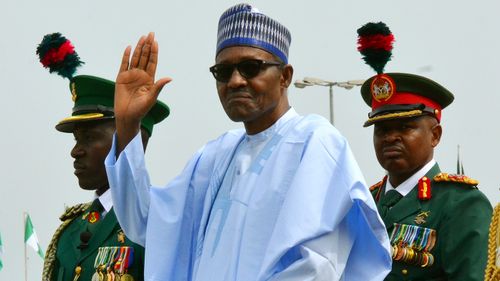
(424, 189)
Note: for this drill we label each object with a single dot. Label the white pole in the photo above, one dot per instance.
(331, 104)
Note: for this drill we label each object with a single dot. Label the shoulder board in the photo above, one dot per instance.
(377, 185)
(445, 177)
(73, 211)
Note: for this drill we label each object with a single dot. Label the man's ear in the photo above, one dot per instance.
(436, 131)
(286, 76)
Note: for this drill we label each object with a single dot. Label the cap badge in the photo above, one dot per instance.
(382, 88)
(73, 92)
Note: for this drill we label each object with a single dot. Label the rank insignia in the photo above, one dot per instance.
(424, 189)
(420, 218)
(445, 177)
(378, 186)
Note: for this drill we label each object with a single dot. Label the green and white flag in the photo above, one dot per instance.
(1, 252)
(30, 237)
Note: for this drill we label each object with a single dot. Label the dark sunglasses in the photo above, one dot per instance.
(248, 69)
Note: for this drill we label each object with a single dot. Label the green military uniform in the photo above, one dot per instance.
(439, 230)
(107, 250)
(71, 257)
(90, 245)
(457, 213)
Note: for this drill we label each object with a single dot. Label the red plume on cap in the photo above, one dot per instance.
(58, 55)
(375, 44)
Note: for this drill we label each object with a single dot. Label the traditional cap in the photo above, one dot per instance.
(395, 95)
(244, 25)
(93, 96)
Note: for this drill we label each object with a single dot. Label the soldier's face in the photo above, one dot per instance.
(93, 141)
(403, 146)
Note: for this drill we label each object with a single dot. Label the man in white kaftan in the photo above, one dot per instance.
(281, 200)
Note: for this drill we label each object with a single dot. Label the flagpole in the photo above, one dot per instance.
(25, 251)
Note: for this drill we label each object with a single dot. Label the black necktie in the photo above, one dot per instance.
(390, 199)
(96, 206)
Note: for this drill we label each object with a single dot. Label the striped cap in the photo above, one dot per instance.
(243, 25)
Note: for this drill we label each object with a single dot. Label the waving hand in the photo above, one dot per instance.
(136, 90)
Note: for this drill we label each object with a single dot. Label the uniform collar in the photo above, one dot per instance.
(106, 200)
(405, 187)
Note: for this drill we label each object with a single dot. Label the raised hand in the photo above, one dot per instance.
(136, 90)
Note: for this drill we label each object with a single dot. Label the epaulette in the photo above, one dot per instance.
(378, 184)
(445, 177)
(50, 254)
(73, 211)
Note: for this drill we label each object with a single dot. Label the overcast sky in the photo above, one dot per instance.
(456, 43)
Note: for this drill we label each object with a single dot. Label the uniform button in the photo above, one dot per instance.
(404, 271)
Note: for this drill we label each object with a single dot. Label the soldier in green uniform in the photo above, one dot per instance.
(437, 222)
(90, 244)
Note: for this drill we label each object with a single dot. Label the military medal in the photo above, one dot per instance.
(123, 262)
(101, 274)
(400, 253)
(412, 244)
(126, 277)
(95, 277)
(103, 264)
(110, 276)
